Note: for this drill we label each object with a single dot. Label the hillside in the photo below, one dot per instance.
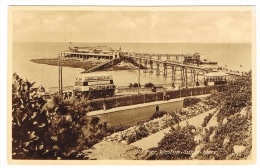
(219, 128)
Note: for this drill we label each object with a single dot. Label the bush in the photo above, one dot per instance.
(189, 101)
(139, 133)
(158, 114)
(237, 96)
(207, 119)
(149, 85)
(29, 122)
(175, 118)
(136, 85)
(178, 144)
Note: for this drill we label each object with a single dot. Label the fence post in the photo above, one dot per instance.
(144, 98)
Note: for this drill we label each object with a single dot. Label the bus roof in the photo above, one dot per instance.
(92, 75)
(216, 74)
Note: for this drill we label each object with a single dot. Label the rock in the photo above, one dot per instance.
(213, 121)
(203, 131)
(124, 142)
(212, 136)
(238, 149)
(225, 121)
(243, 112)
(226, 141)
(197, 150)
(198, 138)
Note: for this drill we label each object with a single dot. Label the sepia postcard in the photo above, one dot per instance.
(131, 85)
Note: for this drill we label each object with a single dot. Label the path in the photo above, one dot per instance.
(152, 140)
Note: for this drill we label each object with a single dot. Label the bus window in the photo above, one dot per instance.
(85, 83)
(111, 82)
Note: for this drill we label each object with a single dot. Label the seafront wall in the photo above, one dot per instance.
(114, 102)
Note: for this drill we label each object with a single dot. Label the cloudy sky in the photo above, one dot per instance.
(214, 26)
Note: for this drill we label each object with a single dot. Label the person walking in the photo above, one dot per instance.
(157, 108)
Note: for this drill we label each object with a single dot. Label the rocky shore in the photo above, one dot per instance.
(84, 64)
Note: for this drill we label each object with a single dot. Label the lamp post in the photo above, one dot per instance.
(139, 77)
(60, 76)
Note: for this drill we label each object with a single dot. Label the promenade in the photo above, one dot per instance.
(131, 115)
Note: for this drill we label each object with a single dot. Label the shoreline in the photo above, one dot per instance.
(85, 65)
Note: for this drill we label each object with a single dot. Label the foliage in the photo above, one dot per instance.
(136, 85)
(140, 132)
(237, 95)
(189, 101)
(207, 119)
(67, 124)
(29, 122)
(158, 114)
(238, 130)
(175, 118)
(176, 144)
(149, 84)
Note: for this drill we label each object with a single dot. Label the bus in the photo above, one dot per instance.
(94, 86)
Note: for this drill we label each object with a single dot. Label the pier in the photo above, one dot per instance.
(186, 70)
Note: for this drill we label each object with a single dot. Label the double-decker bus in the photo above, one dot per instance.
(94, 86)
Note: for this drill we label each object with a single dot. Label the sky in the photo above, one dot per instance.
(155, 26)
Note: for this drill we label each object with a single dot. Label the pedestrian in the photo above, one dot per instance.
(157, 108)
(173, 85)
(65, 96)
(197, 83)
(164, 95)
(104, 104)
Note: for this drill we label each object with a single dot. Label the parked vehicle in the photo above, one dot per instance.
(94, 86)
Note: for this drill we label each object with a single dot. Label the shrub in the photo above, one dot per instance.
(67, 124)
(158, 114)
(175, 118)
(116, 128)
(178, 144)
(237, 96)
(189, 101)
(149, 85)
(139, 133)
(29, 122)
(207, 119)
(239, 131)
(136, 85)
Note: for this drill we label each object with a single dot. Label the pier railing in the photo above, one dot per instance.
(128, 100)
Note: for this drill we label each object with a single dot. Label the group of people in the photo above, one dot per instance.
(67, 95)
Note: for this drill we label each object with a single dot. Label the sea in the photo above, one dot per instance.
(232, 56)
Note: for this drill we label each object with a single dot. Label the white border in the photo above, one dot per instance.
(3, 50)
